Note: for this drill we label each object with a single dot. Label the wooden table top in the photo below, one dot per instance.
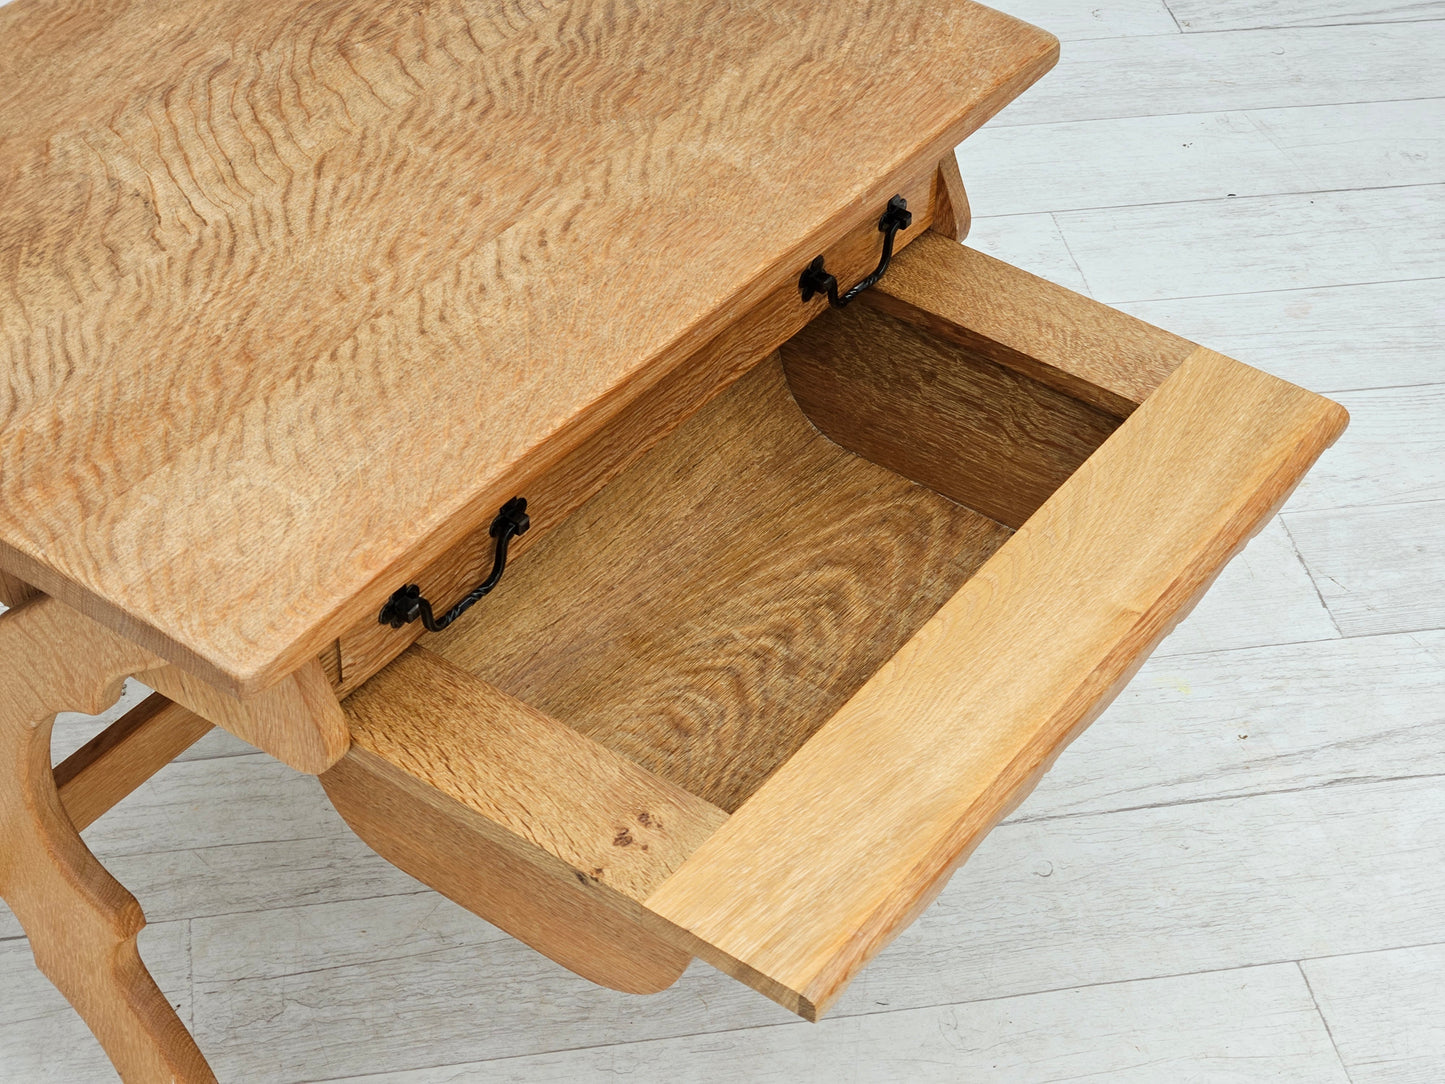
(293, 288)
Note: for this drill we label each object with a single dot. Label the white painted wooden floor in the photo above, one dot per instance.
(1237, 874)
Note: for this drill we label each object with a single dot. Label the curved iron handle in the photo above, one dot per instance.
(407, 604)
(817, 280)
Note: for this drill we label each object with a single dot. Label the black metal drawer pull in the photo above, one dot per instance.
(816, 280)
(406, 605)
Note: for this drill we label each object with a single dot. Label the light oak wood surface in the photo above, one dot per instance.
(941, 414)
(298, 721)
(982, 699)
(601, 814)
(13, 591)
(1265, 596)
(82, 924)
(951, 212)
(272, 921)
(66, 1050)
(541, 900)
(1386, 726)
(1060, 338)
(714, 605)
(350, 269)
(726, 896)
(556, 492)
(123, 756)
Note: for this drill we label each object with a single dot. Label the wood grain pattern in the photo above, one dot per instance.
(941, 414)
(1060, 338)
(603, 815)
(951, 213)
(81, 923)
(14, 592)
(709, 609)
(555, 493)
(298, 721)
(797, 891)
(1070, 901)
(123, 756)
(581, 923)
(350, 269)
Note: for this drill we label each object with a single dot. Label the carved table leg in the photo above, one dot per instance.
(81, 923)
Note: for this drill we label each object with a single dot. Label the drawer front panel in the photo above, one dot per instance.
(856, 834)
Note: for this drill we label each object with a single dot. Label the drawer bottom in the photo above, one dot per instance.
(714, 606)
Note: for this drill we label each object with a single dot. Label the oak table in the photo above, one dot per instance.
(574, 431)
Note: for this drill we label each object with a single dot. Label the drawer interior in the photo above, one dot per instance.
(758, 696)
(713, 606)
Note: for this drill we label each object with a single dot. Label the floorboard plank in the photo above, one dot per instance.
(349, 988)
(1175, 889)
(1235, 246)
(1257, 69)
(1246, 1025)
(1080, 900)
(252, 878)
(1384, 1010)
(1330, 340)
(1377, 568)
(1083, 165)
(1032, 242)
(1264, 596)
(1260, 720)
(1071, 21)
(241, 833)
(1206, 15)
(1392, 453)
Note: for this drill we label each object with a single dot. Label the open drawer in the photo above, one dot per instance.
(757, 699)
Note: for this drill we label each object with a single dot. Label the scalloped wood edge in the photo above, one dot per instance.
(81, 922)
